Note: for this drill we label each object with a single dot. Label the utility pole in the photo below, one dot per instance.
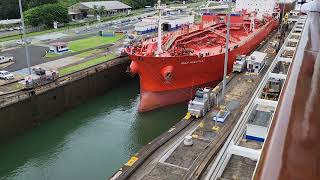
(159, 40)
(226, 52)
(24, 40)
(282, 16)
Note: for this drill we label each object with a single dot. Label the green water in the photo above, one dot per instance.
(89, 142)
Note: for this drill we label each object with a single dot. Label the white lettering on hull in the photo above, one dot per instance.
(192, 62)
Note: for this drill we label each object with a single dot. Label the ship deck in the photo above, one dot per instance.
(209, 42)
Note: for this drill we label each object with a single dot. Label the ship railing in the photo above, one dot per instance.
(171, 40)
(175, 35)
(223, 35)
(292, 147)
(253, 35)
(217, 167)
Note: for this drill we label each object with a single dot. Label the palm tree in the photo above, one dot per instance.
(94, 10)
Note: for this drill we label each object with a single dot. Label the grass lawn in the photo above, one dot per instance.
(50, 55)
(14, 87)
(81, 55)
(82, 44)
(78, 67)
(89, 53)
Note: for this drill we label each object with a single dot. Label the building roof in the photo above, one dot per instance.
(257, 56)
(108, 5)
(10, 21)
(143, 24)
(58, 44)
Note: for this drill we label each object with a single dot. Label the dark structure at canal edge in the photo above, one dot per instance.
(31, 112)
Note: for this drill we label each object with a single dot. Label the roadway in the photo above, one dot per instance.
(124, 24)
(36, 54)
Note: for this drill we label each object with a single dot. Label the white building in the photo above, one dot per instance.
(260, 6)
(169, 23)
(85, 9)
(58, 47)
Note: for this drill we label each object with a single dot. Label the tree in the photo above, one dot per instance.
(101, 10)
(46, 15)
(140, 3)
(34, 3)
(10, 8)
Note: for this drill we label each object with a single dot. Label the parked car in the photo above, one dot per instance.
(22, 42)
(39, 71)
(6, 75)
(18, 28)
(10, 29)
(5, 59)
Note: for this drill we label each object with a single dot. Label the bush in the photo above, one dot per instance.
(46, 15)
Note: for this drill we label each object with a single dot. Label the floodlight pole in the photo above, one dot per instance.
(226, 53)
(159, 38)
(24, 41)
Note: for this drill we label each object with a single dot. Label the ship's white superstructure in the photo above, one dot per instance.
(261, 7)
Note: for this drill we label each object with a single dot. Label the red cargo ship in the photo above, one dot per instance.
(193, 56)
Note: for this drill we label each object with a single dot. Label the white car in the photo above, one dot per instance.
(6, 75)
(5, 59)
(22, 42)
(17, 28)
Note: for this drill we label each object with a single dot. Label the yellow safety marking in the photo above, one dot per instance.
(188, 116)
(215, 128)
(197, 116)
(214, 89)
(132, 160)
(201, 124)
(195, 136)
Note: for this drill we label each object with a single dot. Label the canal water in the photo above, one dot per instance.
(89, 142)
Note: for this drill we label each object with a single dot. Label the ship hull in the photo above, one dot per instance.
(150, 100)
(170, 80)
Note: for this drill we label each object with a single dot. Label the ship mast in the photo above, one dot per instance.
(159, 40)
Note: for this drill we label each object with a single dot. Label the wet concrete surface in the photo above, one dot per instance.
(239, 168)
(184, 156)
(161, 172)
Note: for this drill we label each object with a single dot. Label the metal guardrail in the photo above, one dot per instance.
(292, 148)
(223, 157)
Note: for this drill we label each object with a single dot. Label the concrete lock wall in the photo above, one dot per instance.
(15, 119)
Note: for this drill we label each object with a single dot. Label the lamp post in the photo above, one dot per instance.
(159, 38)
(226, 52)
(24, 41)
